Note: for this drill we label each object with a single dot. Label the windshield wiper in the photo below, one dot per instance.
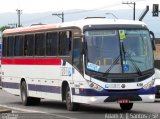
(109, 69)
(131, 60)
(134, 64)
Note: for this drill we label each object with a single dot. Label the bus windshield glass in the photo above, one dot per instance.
(119, 51)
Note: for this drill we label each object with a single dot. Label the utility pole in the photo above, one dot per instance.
(60, 15)
(134, 8)
(19, 12)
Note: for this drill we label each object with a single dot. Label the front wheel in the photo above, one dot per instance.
(126, 106)
(24, 96)
(71, 106)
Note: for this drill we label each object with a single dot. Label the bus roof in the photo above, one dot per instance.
(79, 23)
(30, 29)
(101, 21)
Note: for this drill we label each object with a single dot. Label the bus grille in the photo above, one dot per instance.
(130, 97)
(122, 80)
(129, 90)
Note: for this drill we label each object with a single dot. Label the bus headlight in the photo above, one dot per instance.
(95, 86)
(149, 85)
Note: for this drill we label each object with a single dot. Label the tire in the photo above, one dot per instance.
(71, 106)
(26, 101)
(126, 106)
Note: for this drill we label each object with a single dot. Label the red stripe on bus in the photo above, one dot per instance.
(32, 61)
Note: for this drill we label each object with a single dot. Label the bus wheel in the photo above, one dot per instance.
(71, 106)
(24, 96)
(126, 106)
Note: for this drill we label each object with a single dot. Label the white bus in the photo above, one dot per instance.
(91, 61)
(0, 57)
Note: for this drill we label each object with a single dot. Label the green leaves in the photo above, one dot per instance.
(2, 28)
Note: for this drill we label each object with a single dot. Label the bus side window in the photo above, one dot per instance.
(65, 43)
(52, 44)
(18, 46)
(4, 47)
(29, 45)
(10, 46)
(40, 44)
(77, 58)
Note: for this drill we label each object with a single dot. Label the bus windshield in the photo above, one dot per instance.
(119, 51)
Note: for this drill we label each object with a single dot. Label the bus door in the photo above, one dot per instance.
(77, 64)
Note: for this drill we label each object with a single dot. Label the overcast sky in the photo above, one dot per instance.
(33, 6)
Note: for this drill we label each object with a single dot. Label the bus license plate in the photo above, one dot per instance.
(123, 101)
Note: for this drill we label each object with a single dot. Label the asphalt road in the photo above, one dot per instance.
(49, 109)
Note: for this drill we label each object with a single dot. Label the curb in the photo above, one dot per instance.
(5, 110)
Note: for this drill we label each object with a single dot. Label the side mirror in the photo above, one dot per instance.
(152, 40)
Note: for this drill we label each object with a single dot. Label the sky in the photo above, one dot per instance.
(36, 6)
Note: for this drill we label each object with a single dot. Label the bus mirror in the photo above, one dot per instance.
(152, 40)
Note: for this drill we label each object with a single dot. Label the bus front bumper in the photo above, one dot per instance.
(92, 96)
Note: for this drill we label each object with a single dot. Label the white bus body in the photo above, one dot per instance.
(37, 77)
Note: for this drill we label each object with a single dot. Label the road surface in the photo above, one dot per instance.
(57, 110)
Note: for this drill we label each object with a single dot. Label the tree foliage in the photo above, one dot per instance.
(4, 27)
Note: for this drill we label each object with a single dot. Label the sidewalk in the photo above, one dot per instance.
(5, 110)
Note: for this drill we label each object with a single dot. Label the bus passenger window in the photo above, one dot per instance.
(4, 47)
(29, 45)
(10, 46)
(51, 44)
(65, 43)
(39, 44)
(18, 46)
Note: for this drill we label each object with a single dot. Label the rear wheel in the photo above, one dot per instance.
(71, 106)
(24, 96)
(126, 106)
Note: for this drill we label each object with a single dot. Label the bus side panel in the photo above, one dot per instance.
(43, 81)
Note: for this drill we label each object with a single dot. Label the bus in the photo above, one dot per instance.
(157, 66)
(0, 57)
(87, 61)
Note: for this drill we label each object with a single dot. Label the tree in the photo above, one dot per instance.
(2, 28)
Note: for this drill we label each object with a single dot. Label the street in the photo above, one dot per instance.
(58, 110)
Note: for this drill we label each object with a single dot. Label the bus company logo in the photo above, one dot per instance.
(112, 86)
(107, 86)
(123, 85)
